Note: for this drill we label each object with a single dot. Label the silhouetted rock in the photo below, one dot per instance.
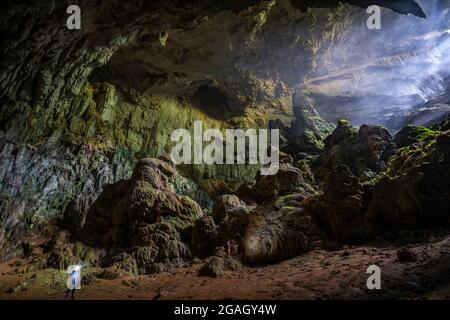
(413, 191)
(365, 151)
(340, 210)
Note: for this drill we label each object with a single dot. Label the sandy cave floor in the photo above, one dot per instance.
(318, 274)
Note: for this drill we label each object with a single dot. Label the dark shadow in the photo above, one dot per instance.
(212, 102)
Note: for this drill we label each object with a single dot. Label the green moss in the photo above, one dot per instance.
(287, 210)
(411, 156)
(163, 38)
(187, 187)
(343, 123)
(93, 114)
(124, 155)
(261, 18)
(422, 133)
(313, 139)
(52, 279)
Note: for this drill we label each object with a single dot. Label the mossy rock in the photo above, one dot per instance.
(287, 210)
(413, 134)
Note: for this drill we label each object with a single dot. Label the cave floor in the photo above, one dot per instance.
(318, 274)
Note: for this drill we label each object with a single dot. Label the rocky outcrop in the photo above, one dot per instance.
(231, 215)
(12, 225)
(410, 193)
(143, 219)
(341, 209)
(50, 180)
(365, 151)
(288, 179)
(413, 192)
(307, 131)
(278, 228)
(413, 134)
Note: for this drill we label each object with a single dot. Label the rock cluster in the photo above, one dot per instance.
(143, 225)
(411, 192)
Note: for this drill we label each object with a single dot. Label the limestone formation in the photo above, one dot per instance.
(143, 219)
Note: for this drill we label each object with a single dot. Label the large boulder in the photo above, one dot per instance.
(413, 134)
(414, 190)
(365, 151)
(143, 219)
(226, 206)
(275, 234)
(279, 228)
(231, 214)
(308, 129)
(288, 179)
(340, 210)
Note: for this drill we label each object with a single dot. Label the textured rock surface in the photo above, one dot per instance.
(364, 151)
(307, 131)
(341, 209)
(288, 179)
(144, 218)
(12, 225)
(278, 228)
(49, 180)
(413, 192)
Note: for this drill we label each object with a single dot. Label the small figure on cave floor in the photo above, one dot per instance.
(73, 281)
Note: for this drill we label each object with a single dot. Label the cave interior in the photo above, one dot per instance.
(87, 176)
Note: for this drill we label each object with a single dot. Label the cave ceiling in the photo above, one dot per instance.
(253, 53)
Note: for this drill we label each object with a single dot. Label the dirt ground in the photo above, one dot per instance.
(316, 275)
